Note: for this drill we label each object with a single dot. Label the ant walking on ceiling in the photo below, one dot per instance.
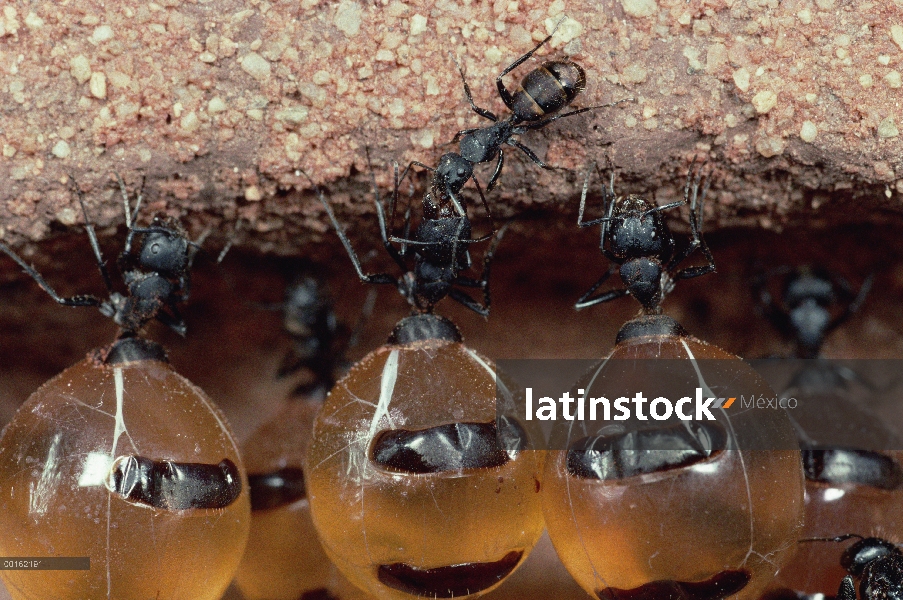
(542, 93)
(439, 251)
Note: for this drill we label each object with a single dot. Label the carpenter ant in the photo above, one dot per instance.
(542, 93)
(439, 249)
(157, 277)
(635, 237)
(808, 298)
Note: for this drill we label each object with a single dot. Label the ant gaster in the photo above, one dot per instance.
(439, 250)
(813, 303)
(156, 278)
(638, 242)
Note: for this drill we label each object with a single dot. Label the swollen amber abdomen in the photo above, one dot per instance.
(132, 466)
(414, 489)
(691, 509)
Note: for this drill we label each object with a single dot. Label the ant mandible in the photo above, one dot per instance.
(439, 249)
(157, 279)
(638, 242)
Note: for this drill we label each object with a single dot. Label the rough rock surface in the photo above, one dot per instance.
(794, 104)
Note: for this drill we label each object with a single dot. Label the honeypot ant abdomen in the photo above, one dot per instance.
(278, 488)
(451, 447)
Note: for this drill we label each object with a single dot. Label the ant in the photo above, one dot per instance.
(542, 93)
(156, 277)
(638, 242)
(877, 563)
(439, 250)
(319, 341)
(804, 311)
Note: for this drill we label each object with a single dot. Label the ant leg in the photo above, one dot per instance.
(468, 302)
(229, 242)
(483, 282)
(194, 247)
(92, 236)
(498, 171)
(544, 122)
(847, 590)
(130, 217)
(462, 133)
(384, 234)
(83, 300)
(480, 111)
(855, 304)
(530, 154)
(485, 203)
(696, 228)
(765, 303)
(588, 299)
(378, 278)
(174, 321)
(506, 96)
(580, 221)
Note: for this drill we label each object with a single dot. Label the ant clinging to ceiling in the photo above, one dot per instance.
(156, 277)
(439, 249)
(542, 93)
(638, 242)
(813, 303)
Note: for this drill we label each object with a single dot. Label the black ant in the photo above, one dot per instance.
(807, 310)
(440, 252)
(542, 93)
(638, 242)
(877, 563)
(319, 341)
(156, 277)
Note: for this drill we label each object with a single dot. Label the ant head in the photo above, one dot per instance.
(855, 558)
(305, 306)
(164, 248)
(637, 228)
(570, 75)
(455, 170)
(808, 285)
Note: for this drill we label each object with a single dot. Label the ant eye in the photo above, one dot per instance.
(155, 248)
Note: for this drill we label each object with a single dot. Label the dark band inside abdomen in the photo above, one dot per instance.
(447, 582)
(172, 485)
(722, 585)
